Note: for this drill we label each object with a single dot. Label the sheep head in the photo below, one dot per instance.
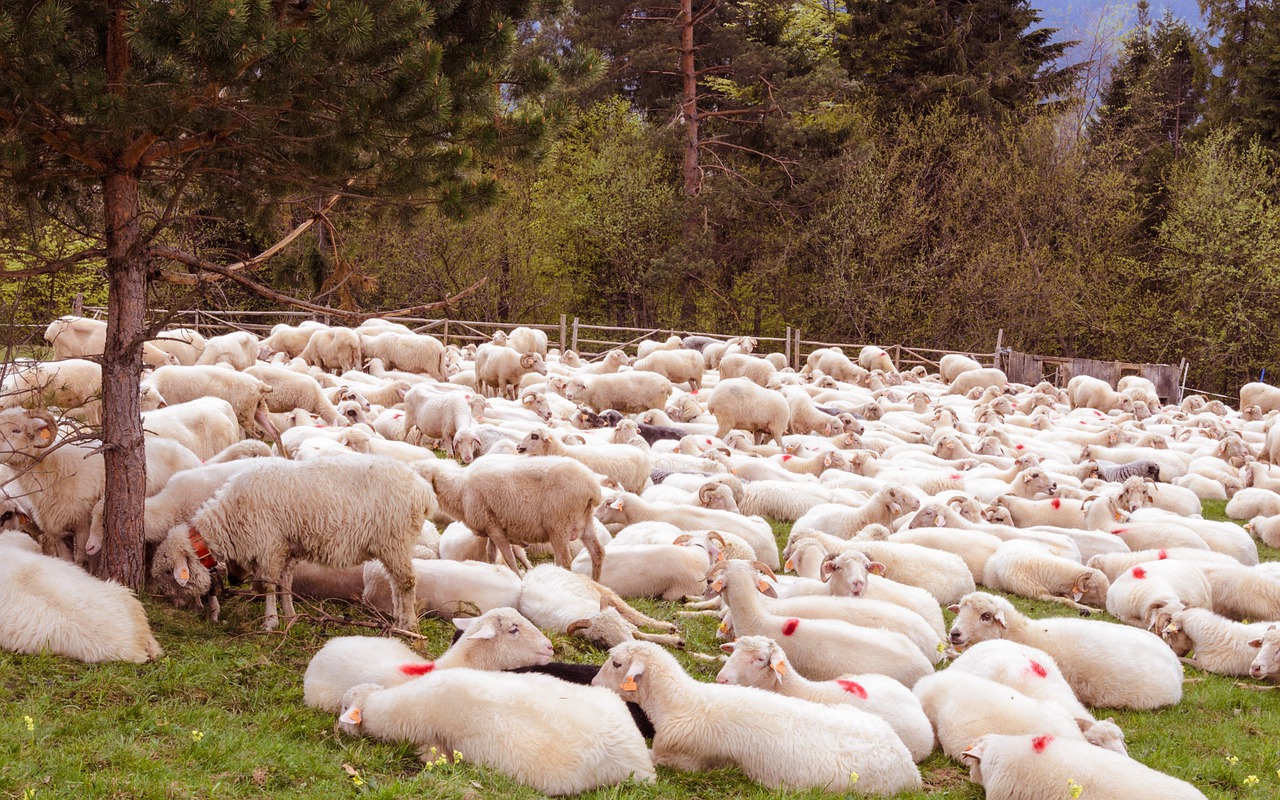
(755, 661)
(537, 442)
(499, 639)
(1266, 664)
(979, 617)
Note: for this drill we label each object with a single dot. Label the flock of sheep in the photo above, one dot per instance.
(654, 477)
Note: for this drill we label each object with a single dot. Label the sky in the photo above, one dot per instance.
(1073, 16)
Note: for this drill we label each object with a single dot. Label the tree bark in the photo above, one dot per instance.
(691, 171)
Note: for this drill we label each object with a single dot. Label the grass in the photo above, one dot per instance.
(221, 716)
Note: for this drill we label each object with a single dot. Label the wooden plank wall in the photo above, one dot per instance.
(1031, 369)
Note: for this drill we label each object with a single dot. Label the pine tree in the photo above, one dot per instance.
(129, 120)
(987, 57)
(1244, 89)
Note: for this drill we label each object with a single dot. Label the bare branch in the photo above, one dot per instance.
(54, 266)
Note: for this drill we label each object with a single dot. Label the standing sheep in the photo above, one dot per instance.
(447, 418)
(627, 392)
(499, 369)
(238, 349)
(739, 404)
(333, 350)
(626, 466)
(677, 366)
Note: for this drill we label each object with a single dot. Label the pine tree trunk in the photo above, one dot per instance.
(691, 170)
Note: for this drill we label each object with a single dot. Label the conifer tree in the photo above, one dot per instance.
(128, 120)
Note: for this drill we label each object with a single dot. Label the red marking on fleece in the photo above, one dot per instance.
(695, 391)
(1139, 573)
(1039, 743)
(417, 669)
(955, 477)
(853, 688)
(1162, 555)
(786, 457)
(1020, 446)
(1118, 531)
(1057, 502)
(789, 627)
(1038, 670)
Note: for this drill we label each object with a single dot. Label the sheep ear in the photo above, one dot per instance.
(766, 589)
(682, 539)
(789, 566)
(1084, 724)
(876, 568)
(728, 647)
(616, 505)
(182, 574)
(462, 623)
(999, 619)
(629, 680)
(954, 609)
(974, 751)
(1256, 643)
(351, 716)
(487, 632)
(778, 663)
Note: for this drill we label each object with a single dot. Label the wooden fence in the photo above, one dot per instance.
(1031, 369)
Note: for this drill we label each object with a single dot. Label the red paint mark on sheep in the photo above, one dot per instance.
(955, 477)
(787, 457)
(789, 627)
(1038, 670)
(1139, 573)
(417, 669)
(1118, 531)
(853, 688)
(1020, 447)
(1162, 555)
(1039, 743)
(1057, 502)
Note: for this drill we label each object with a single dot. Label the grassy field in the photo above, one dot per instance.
(221, 716)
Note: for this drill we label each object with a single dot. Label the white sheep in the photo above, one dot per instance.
(448, 418)
(1028, 570)
(843, 521)
(739, 404)
(943, 575)
(1113, 565)
(511, 500)
(412, 353)
(498, 639)
(102, 622)
(290, 390)
(78, 337)
(499, 369)
(668, 571)
(969, 380)
(184, 344)
(1143, 593)
(1106, 664)
(528, 340)
(445, 588)
(740, 365)
(974, 547)
(245, 393)
(701, 726)
(1043, 766)
(1266, 397)
(626, 392)
(759, 662)
(1243, 592)
(1085, 391)
(1266, 664)
(1267, 529)
(820, 649)
(556, 737)
(290, 339)
(333, 350)
(238, 349)
(627, 466)
(873, 358)
(370, 508)
(677, 366)
(1213, 643)
(73, 385)
(628, 509)
(865, 612)
(952, 365)
(558, 600)
(1253, 502)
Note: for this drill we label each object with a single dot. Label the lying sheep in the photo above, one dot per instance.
(1213, 643)
(104, 623)
(1113, 565)
(558, 600)
(627, 392)
(701, 726)
(1106, 664)
(1243, 592)
(759, 662)
(1141, 595)
(626, 466)
(245, 393)
(1041, 766)
(668, 571)
(556, 737)
(629, 509)
(943, 575)
(739, 404)
(986, 378)
(1028, 570)
(371, 508)
(1253, 502)
(445, 589)
(1267, 529)
(843, 521)
(1266, 664)
(510, 500)
(497, 640)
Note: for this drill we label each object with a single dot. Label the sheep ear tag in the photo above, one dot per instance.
(790, 566)
(46, 435)
(351, 716)
(181, 574)
(616, 505)
(876, 568)
(629, 680)
(779, 665)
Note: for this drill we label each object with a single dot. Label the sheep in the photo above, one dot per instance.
(458, 543)
(737, 403)
(1266, 664)
(104, 623)
(820, 649)
(1028, 570)
(974, 547)
(1084, 391)
(1091, 514)
(740, 365)
(556, 737)
(1106, 664)
(333, 350)
(832, 361)
(445, 588)
(238, 349)
(448, 418)
(843, 521)
(60, 484)
(413, 353)
(672, 342)
(626, 466)
(373, 508)
(292, 340)
(865, 612)
(1267, 529)
(986, 378)
(77, 337)
(1113, 565)
(558, 600)
(1266, 398)
(667, 571)
(943, 575)
(758, 662)
(952, 365)
(627, 392)
(1035, 767)
(1144, 594)
(290, 390)
(73, 385)
(701, 726)
(677, 366)
(528, 340)
(609, 364)
(499, 369)
(873, 358)
(184, 344)
(629, 509)
(1119, 473)
(1215, 643)
(1253, 502)
(516, 501)
(245, 393)
(1243, 592)
(964, 706)
(806, 417)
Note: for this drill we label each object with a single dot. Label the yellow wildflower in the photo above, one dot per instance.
(196, 735)
(31, 723)
(853, 777)
(1074, 788)
(1233, 760)
(1251, 780)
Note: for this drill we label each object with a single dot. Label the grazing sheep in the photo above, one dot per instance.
(558, 600)
(628, 467)
(806, 417)
(1084, 391)
(245, 393)
(292, 340)
(528, 340)
(873, 358)
(510, 500)
(499, 369)
(739, 404)
(412, 353)
(447, 418)
(498, 639)
(334, 350)
(105, 622)
(1028, 570)
(1213, 643)
(758, 661)
(627, 392)
(557, 737)
(290, 390)
(1266, 398)
(832, 361)
(1042, 766)
(238, 349)
(953, 365)
(1109, 665)
(677, 366)
(372, 508)
(701, 726)
(1266, 664)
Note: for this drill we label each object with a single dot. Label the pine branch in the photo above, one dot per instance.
(54, 266)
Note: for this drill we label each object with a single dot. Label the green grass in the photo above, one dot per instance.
(221, 716)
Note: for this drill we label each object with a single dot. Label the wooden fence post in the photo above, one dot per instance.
(787, 347)
(574, 345)
(999, 342)
(795, 351)
(446, 332)
(77, 305)
(562, 327)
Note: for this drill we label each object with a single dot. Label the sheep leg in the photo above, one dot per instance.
(610, 598)
(705, 613)
(701, 604)
(1053, 598)
(498, 540)
(272, 620)
(284, 587)
(404, 597)
(594, 549)
(665, 639)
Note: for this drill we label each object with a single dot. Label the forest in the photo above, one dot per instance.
(915, 172)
